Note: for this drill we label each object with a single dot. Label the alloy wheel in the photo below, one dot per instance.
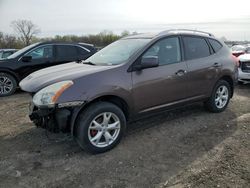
(6, 85)
(104, 129)
(221, 97)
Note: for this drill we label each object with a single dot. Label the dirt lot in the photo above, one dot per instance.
(183, 148)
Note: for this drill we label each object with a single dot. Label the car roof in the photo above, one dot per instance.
(170, 32)
(5, 50)
(58, 42)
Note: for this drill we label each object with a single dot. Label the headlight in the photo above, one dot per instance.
(49, 95)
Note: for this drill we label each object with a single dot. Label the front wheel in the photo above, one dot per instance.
(100, 127)
(8, 84)
(220, 97)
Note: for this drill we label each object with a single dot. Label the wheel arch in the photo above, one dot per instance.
(11, 73)
(230, 81)
(118, 101)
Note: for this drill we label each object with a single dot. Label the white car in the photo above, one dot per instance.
(244, 68)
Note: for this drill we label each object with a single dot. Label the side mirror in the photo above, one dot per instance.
(147, 62)
(26, 58)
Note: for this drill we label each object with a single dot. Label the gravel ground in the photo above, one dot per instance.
(189, 147)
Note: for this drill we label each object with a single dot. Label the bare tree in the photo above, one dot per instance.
(25, 29)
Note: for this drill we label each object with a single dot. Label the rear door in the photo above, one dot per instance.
(158, 87)
(203, 67)
(66, 53)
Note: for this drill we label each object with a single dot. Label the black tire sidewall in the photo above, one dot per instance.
(210, 104)
(83, 122)
(14, 82)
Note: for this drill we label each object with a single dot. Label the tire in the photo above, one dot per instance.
(8, 84)
(213, 104)
(92, 135)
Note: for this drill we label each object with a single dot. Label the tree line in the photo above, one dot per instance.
(26, 34)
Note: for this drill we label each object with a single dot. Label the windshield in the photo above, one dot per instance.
(16, 54)
(117, 52)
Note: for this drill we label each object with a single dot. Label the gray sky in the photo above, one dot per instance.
(58, 17)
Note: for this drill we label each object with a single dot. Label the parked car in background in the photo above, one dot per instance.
(4, 53)
(238, 50)
(38, 56)
(131, 78)
(244, 67)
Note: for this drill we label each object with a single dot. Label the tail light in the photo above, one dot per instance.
(236, 60)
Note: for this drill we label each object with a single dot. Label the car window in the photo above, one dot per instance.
(215, 44)
(118, 52)
(6, 54)
(66, 51)
(167, 51)
(195, 47)
(42, 52)
(82, 51)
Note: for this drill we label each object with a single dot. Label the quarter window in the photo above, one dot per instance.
(82, 51)
(215, 44)
(195, 47)
(42, 52)
(167, 51)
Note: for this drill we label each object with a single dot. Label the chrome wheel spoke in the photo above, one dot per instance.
(106, 118)
(108, 137)
(113, 126)
(217, 99)
(97, 137)
(224, 97)
(96, 126)
(222, 90)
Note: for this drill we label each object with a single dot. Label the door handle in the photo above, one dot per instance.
(216, 65)
(181, 72)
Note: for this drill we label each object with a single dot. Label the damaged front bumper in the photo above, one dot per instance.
(55, 119)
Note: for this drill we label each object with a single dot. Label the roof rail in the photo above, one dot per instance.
(83, 43)
(186, 30)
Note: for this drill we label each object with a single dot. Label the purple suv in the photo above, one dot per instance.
(131, 78)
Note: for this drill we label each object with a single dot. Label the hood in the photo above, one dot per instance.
(244, 57)
(69, 71)
(5, 60)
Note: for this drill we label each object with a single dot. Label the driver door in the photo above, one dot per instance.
(41, 57)
(162, 86)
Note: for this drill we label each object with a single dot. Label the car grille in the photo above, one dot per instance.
(245, 66)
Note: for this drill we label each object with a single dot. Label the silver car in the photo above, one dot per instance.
(244, 67)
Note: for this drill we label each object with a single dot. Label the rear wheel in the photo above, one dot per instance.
(220, 97)
(100, 127)
(8, 84)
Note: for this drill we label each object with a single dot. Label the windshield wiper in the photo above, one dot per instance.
(87, 63)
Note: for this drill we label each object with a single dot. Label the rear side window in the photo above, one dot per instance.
(66, 51)
(195, 47)
(215, 44)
